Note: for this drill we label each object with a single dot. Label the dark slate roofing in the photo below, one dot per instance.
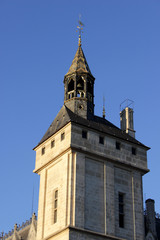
(60, 121)
(79, 63)
(157, 222)
(65, 116)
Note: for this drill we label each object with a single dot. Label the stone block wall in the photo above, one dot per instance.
(89, 177)
(52, 152)
(99, 180)
(58, 175)
(108, 149)
(94, 214)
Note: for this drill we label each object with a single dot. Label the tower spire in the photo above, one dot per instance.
(79, 84)
(80, 28)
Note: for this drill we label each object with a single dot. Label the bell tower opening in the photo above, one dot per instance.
(80, 87)
(70, 89)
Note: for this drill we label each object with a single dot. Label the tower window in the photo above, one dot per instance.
(80, 87)
(134, 151)
(118, 145)
(70, 88)
(52, 143)
(84, 134)
(62, 136)
(80, 84)
(55, 205)
(71, 85)
(121, 210)
(43, 151)
(101, 140)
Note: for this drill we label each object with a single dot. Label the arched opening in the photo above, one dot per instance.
(71, 85)
(80, 88)
(80, 84)
(71, 89)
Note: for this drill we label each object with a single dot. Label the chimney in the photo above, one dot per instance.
(150, 216)
(126, 117)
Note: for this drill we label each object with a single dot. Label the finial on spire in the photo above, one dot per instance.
(80, 29)
(104, 112)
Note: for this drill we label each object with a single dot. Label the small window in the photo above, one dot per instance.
(56, 194)
(134, 151)
(55, 206)
(121, 210)
(118, 145)
(62, 136)
(43, 150)
(71, 85)
(55, 215)
(52, 143)
(84, 134)
(55, 203)
(101, 140)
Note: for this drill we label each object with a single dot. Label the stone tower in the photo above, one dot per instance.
(90, 170)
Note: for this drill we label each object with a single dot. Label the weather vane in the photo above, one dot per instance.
(80, 28)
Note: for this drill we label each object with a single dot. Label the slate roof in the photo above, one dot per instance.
(65, 116)
(158, 228)
(79, 63)
(157, 222)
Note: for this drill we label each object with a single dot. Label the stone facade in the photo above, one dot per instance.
(90, 171)
(89, 176)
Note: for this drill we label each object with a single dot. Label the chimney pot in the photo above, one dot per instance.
(126, 118)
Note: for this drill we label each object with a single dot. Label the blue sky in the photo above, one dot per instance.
(38, 41)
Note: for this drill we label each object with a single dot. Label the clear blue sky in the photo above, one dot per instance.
(38, 41)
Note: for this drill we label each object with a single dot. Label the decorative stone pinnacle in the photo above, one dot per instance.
(15, 227)
(33, 216)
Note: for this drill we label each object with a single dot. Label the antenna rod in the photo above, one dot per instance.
(104, 112)
(32, 200)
